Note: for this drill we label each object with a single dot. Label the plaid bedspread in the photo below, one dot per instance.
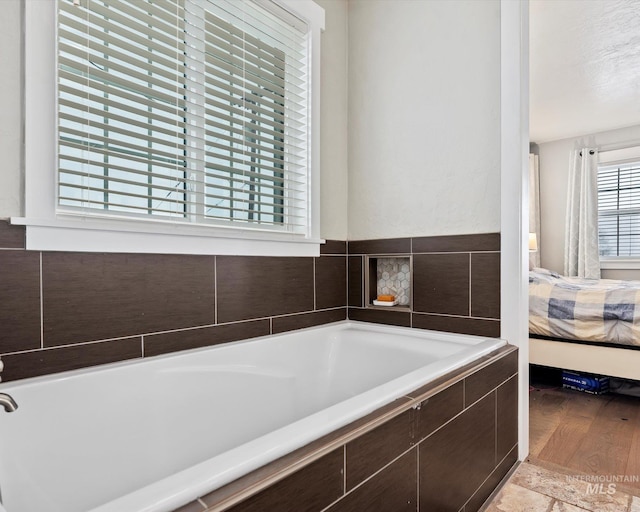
(604, 310)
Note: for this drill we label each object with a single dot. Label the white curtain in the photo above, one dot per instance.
(534, 207)
(581, 256)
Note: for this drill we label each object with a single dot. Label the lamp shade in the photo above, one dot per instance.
(533, 242)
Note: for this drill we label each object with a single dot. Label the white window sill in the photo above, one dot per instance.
(94, 235)
(620, 263)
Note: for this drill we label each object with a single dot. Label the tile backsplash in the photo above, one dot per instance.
(62, 310)
(455, 282)
(66, 310)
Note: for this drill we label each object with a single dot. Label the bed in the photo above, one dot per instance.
(587, 325)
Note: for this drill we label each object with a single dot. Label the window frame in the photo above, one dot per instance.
(609, 158)
(49, 229)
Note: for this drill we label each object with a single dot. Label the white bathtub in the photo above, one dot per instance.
(155, 434)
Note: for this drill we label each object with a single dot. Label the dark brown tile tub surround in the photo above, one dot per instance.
(11, 237)
(428, 452)
(374, 450)
(41, 362)
(62, 311)
(330, 279)
(303, 320)
(355, 283)
(137, 293)
(256, 287)
(312, 488)
(455, 283)
(19, 301)
(441, 283)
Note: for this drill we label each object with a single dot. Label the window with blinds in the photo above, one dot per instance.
(619, 209)
(190, 111)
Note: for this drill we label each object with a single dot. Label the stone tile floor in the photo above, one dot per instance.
(546, 488)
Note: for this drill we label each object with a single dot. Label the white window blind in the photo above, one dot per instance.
(619, 209)
(193, 111)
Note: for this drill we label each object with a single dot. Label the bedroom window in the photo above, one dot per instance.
(181, 117)
(619, 210)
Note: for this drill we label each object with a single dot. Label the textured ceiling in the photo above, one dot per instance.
(585, 67)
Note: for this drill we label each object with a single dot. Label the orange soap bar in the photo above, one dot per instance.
(386, 298)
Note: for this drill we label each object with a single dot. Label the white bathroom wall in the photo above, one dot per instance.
(10, 106)
(424, 117)
(333, 116)
(554, 169)
(333, 120)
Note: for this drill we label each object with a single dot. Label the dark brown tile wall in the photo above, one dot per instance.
(485, 285)
(19, 300)
(312, 488)
(483, 381)
(62, 311)
(441, 283)
(374, 450)
(461, 325)
(303, 320)
(466, 442)
(455, 283)
(256, 287)
(401, 318)
(458, 243)
(380, 246)
(487, 488)
(354, 281)
(42, 362)
(393, 489)
(331, 282)
(11, 237)
(438, 409)
(137, 293)
(429, 446)
(156, 344)
(507, 414)
(53, 300)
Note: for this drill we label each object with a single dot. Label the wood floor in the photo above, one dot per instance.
(596, 435)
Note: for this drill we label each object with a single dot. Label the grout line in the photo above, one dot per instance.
(142, 345)
(470, 284)
(464, 393)
(495, 428)
(364, 276)
(41, 307)
(417, 477)
(203, 504)
(215, 290)
(458, 252)
(346, 282)
(344, 469)
(314, 284)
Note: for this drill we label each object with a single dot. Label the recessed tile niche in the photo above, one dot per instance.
(389, 275)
